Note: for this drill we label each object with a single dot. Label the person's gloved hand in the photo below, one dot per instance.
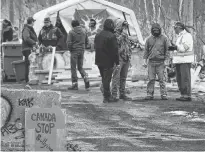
(172, 48)
(166, 62)
(117, 67)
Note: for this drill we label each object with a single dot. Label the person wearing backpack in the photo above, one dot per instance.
(156, 56)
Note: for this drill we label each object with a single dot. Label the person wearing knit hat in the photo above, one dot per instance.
(125, 52)
(156, 56)
(50, 36)
(182, 58)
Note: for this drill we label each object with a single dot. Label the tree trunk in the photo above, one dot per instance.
(11, 11)
(180, 9)
(159, 10)
(154, 11)
(147, 14)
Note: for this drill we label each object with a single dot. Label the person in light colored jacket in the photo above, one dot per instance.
(182, 58)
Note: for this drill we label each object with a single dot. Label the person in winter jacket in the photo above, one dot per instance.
(7, 31)
(156, 55)
(182, 58)
(106, 56)
(29, 43)
(51, 35)
(77, 40)
(124, 49)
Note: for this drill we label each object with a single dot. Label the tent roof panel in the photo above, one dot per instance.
(112, 8)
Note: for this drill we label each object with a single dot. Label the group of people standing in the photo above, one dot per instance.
(51, 36)
(113, 55)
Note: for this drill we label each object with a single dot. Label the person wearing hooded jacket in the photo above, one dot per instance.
(106, 56)
(7, 31)
(156, 56)
(125, 52)
(77, 41)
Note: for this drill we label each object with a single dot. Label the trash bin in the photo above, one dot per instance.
(11, 51)
(19, 70)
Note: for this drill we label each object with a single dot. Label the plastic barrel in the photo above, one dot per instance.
(19, 70)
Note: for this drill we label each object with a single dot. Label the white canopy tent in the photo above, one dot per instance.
(68, 8)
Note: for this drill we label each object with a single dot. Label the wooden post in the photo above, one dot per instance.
(51, 67)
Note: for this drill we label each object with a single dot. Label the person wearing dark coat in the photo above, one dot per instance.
(51, 35)
(29, 43)
(106, 56)
(7, 31)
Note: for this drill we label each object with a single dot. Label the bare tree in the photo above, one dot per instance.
(11, 11)
(180, 9)
(154, 11)
(159, 10)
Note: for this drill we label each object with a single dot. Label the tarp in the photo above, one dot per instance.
(86, 9)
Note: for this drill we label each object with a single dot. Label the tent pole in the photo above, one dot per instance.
(126, 20)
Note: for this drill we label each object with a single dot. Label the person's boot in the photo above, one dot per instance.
(74, 86)
(149, 97)
(105, 100)
(87, 83)
(113, 99)
(27, 86)
(164, 97)
(126, 98)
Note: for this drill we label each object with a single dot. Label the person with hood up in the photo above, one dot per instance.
(50, 35)
(77, 40)
(125, 52)
(7, 31)
(30, 42)
(106, 56)
(156, 56)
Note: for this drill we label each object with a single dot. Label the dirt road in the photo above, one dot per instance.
(132, 126)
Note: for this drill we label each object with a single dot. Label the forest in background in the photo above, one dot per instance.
(165, 12)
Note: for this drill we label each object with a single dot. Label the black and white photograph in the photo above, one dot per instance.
(102, 75)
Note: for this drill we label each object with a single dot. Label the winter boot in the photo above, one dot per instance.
(74, 86)
(126, 98)
(87, 83)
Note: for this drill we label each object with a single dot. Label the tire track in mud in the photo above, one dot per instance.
(131, 125)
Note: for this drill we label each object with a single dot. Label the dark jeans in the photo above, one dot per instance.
(106, 74)
(183, 75)
(156, 68)
(76, 60)
(26, 54)
(119, 79)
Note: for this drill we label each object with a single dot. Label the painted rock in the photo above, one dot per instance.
(5, 111)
